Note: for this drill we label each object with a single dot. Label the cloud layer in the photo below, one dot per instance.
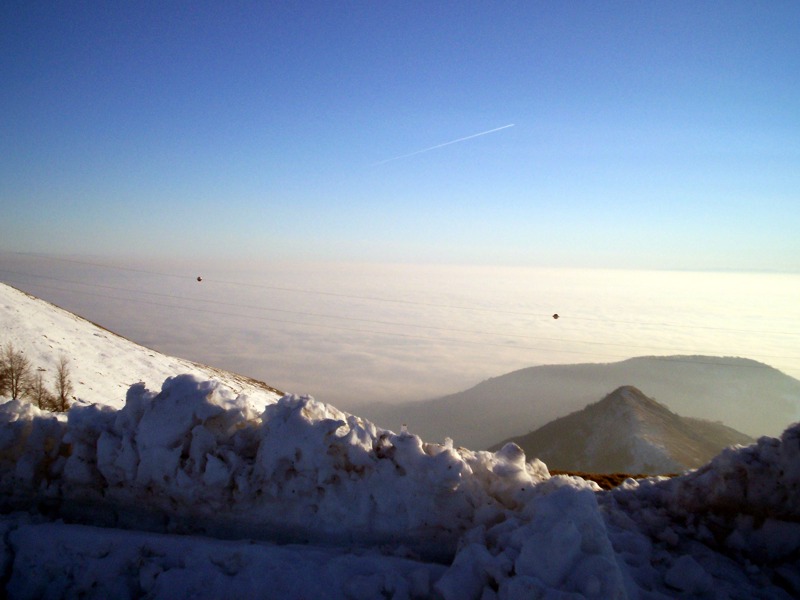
(349, 333)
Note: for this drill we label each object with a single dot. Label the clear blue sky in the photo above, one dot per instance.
(646, 134)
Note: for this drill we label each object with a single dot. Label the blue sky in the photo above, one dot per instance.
(652, 135)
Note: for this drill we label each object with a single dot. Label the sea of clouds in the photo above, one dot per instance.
(349, 333)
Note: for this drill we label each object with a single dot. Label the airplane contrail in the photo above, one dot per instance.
(469, 137)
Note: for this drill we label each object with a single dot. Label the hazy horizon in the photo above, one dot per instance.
(354, 333)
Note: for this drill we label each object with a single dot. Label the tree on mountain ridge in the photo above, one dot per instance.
(39, 393)
(16, 370)
(64, 387)
(18, 382)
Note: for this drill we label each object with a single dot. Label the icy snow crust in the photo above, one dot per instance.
(381, 513)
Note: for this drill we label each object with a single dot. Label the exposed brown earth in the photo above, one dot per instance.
(606, 481)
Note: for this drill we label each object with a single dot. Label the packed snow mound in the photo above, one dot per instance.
(397, 516)
(198, 455)
(690, 533)
(728, 530)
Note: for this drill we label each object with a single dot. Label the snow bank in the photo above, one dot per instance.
(54, 560)
(195, 458)
(556, 543)
(728, 529)
(381, 513)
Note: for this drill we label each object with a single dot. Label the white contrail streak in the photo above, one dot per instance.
(469, 137)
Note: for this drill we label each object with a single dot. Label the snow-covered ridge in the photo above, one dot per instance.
(103, 365)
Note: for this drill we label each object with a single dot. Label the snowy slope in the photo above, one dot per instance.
(102, 364)
(185, 491)
(627, 432)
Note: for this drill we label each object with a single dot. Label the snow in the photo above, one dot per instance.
(194, 491)
(198, 456)
(88, 561)
(102, 364)
(193, 488)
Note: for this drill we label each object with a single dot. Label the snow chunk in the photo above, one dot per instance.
(688, 577)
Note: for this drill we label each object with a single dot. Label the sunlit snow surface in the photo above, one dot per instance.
(102, 364)
(188, 492)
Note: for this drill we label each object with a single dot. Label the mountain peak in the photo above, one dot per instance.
(627, 431)
(627, 395)
(632, 401)
(705, 387)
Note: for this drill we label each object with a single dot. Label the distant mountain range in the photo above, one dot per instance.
(630, 433)
(744, 394)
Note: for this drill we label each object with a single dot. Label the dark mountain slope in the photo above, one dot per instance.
(627, 432)
(747, 395)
